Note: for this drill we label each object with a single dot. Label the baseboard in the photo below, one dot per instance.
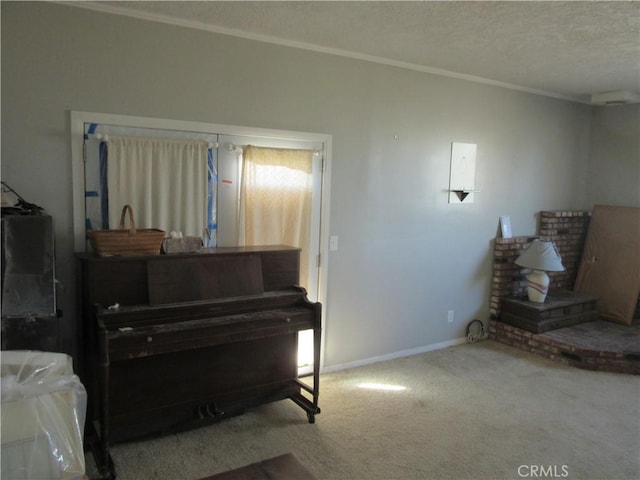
(394, 355)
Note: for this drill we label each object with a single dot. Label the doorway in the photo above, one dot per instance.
(229, 141)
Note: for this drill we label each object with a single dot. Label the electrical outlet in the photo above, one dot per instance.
(450, 316)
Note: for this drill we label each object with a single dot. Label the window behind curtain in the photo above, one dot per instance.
(164, 181)
(275, 199)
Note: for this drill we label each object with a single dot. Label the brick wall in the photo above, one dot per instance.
(508, 278)
(567, 229)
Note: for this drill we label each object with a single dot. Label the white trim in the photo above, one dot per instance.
(155, 17)
(392, 356)
(323, 268)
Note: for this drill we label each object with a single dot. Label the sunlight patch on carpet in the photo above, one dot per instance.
(382, 386)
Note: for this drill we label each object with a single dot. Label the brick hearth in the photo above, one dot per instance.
(602, 346)
(596, 345)
(567, 229)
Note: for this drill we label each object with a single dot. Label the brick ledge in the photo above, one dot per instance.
(613, 360)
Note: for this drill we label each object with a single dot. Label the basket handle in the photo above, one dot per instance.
(132, 223)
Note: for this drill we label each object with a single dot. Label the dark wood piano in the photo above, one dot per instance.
(175, 341)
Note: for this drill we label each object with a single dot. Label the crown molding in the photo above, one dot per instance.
(154, 17)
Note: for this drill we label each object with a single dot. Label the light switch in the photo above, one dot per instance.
(333, 243)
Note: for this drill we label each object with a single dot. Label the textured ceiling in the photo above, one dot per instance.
(565, 49)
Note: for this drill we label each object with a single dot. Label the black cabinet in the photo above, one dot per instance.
(29, 317)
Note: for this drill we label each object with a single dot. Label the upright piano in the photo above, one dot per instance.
(175, 341)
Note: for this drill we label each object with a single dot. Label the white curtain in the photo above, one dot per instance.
(164, 181)
(275, 199)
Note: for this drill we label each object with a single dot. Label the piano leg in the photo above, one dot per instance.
(104, 462)
(311, 406)
(317, 340)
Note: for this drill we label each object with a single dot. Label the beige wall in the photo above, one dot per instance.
(405, 255)
(614, 166)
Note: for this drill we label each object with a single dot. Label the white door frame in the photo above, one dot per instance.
(78, 119)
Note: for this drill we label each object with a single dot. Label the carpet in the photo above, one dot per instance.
(473, 411)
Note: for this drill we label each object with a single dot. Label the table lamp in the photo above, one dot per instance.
(541, 257)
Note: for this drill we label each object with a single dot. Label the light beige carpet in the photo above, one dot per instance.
(481, 411)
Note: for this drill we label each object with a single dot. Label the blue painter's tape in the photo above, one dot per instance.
(91, 193)
(92, 128)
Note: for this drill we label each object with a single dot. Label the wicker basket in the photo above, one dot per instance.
(108, 243)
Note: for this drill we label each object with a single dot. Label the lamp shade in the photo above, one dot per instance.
(541, 255)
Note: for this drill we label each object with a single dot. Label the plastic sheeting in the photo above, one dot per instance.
(43, 414)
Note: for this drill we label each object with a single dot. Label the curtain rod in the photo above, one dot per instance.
(104, 137)
(232, 147)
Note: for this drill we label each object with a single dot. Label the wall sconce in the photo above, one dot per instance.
(463, 172)
(463, 193)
